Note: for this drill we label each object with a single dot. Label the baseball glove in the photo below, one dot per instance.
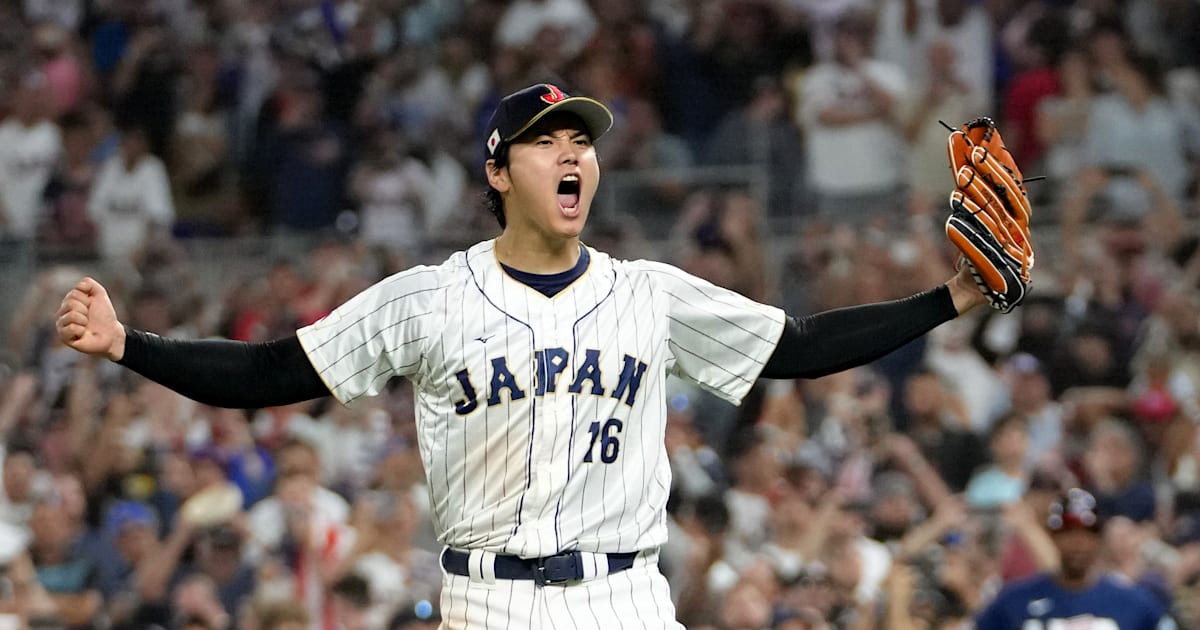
(989, 213)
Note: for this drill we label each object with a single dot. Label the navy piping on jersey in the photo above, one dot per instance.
(532, 403)
(551, 284)
(612, 290)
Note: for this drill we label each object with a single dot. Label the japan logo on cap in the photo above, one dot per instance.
(493, 140)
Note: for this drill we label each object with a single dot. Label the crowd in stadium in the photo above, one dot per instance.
(899, 495)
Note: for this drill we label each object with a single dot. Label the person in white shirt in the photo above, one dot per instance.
(303, 525)
(131, 197)
(908, 27)
(30, 146)
(847, 109)
(524, 20)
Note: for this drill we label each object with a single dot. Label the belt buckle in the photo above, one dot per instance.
(566, 573)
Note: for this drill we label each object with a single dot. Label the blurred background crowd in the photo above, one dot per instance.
(236, 168)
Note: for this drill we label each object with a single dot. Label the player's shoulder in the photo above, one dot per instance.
(1111, 586)
(641, 267)
(456, 265)
(416, 284)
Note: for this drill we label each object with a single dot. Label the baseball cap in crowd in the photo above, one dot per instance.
(126, 514)
(1074, 509)
(1023, 363)
(518, 111)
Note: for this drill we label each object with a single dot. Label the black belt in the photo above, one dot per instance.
(557, 569)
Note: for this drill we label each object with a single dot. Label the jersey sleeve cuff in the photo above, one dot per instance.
(319, 362)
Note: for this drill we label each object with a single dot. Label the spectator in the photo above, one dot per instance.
(1036, 81)
(130, 534)
(847, 109)
(1075, 589)
(68, 575)
(894, 507)
(304, 160)
(939, 430)
(131, 199)
(1062, 118)
(30, 147)
(303, 525)
(1112, 469)
(1133, 553)
(641, 143)
(857, 565)
(144, 82)
(756, 466)
(195, 599)
(23, 485)
(68, 232)
(1004, 481)
(351, 601)
(1135, 127)
(66, 77)
(283, 616)
(945, 96)
(468, 75)
(761, 134)
(67, 14)
(395, 571)
(391, 189)
(201, 154)
(525, 21)
(247, 465)
(907, 28)
(1030, 393)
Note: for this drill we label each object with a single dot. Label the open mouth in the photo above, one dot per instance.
(568, 192)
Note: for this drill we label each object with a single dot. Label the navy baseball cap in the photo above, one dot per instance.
(1074, 509)
(518, 111)
(126, 513)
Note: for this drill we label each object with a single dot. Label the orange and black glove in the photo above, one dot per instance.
(989, 213)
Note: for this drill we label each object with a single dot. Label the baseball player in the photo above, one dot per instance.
(1074, 597)
(539, 366)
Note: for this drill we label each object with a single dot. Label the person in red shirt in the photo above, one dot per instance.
(1047, 40)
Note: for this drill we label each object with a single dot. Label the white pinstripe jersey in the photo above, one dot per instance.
(541, 420)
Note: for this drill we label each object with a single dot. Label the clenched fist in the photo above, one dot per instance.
(88, 323)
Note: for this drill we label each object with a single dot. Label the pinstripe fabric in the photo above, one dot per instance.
(635, 599)
(541, 420)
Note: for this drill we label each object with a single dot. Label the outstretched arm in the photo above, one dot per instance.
(832, 341)
(214, 372)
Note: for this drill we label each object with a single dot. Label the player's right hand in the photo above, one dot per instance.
(88, 322)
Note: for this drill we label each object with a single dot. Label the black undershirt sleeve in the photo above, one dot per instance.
(836, 340)
(225, 373)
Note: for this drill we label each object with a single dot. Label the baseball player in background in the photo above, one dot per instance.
(1076, 597)
(539, 366)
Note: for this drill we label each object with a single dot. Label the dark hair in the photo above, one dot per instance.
(354, 589)
(492, 200)
(1051, 33)
(275, 614)
(1151, 71)
(193, 621)
(1005, 422)
(712, 513)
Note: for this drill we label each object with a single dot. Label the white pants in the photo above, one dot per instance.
(637, 597)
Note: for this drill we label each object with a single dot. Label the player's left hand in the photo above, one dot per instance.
(990, 212)
(964, 291)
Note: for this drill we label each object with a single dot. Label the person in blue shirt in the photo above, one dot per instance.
(1076, 596)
